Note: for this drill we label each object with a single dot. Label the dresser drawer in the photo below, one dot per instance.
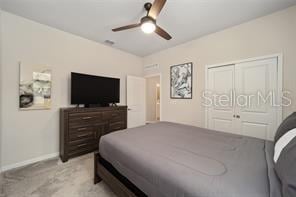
(116, 126)
(113, 114)
(82, 144)
(81, 129)
(82, 133)
(78, 119)
(85, 116)
(118, 116)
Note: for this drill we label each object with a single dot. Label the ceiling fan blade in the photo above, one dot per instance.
(162, 33)
(156, 8)
(126, 27)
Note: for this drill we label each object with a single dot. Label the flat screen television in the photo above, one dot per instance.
(94, 90)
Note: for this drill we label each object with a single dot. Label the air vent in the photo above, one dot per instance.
(151, 67)
(109, 42)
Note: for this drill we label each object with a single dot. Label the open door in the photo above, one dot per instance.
(136, 101)
(153, 98)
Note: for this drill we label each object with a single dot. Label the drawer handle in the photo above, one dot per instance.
(117, 126)
(86, 118)
(81, 129)
(80, 145)
(82, 135)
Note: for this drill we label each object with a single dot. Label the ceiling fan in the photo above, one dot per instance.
(148, 22)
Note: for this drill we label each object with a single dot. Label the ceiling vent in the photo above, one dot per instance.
(151, 67)
(109, 42)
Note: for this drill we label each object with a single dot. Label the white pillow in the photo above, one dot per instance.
(282, 143)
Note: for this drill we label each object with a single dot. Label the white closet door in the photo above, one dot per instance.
(220, 115)
(256, 118)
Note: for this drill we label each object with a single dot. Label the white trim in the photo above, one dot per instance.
(280, 87)
(206, 89)
(28, 162)
(151, 122)
(160, 88)
(279, 57)
(152, 75)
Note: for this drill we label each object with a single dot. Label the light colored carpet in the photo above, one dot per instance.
(54, 179)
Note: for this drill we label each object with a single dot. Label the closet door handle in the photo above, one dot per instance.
(237, 116)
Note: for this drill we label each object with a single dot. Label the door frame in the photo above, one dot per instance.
(279, 57)
(160, 89)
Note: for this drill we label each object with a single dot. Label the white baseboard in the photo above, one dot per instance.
(151, 122)
(28, 162)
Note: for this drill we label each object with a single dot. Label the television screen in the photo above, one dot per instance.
(89, 89)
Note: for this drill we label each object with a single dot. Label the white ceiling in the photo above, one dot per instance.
(185, 20)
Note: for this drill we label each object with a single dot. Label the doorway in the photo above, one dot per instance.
(153, 103)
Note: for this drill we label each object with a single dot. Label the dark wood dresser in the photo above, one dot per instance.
(81, 128)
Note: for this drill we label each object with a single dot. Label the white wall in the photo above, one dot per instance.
(264, 36)
(31, 134)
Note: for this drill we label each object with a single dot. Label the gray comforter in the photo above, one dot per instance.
(174, 160)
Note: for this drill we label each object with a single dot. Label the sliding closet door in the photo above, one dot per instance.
(257, 80)
(221, 84)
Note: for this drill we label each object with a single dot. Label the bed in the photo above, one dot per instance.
(174, 160)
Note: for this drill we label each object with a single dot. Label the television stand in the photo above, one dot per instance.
(96, 105)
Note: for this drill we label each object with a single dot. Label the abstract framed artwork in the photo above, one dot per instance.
(181, 81)
(34, 87)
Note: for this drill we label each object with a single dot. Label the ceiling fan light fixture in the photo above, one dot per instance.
(148, 26)
(148, 23)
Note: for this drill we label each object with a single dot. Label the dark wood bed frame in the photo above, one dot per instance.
(120, 185)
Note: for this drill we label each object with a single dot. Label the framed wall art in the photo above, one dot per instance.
(181, 81)
(34, 87)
